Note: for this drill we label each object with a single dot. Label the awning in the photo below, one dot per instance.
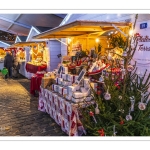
(23, 44)
(79, 28)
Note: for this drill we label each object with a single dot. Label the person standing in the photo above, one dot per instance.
(8, 63)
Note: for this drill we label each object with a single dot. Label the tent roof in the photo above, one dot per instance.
(22, 44)
(80, 28)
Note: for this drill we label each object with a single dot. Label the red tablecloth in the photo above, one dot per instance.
(33, 69)
(35, 83)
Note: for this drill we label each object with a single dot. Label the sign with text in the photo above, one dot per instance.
(143, 25)
(142, 53)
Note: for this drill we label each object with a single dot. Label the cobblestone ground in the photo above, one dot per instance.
(19, 115)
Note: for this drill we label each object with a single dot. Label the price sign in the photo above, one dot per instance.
(143, 25)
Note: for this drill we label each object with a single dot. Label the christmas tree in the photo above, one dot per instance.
(121, 106)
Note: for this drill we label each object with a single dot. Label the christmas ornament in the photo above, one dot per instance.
(101, 132)
(129, 117)
(141, 106)
(114, 131)
(121, 122)
(132, 99)
(130, 68)
(97, 111)
(123, 72)
(107, 95)
(120, 97)
(121, 110)
(92, 115)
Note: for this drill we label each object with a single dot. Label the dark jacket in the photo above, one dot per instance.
(8, 61)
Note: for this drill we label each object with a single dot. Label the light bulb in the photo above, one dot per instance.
(130, 32)
(69, 40)
(97, 40)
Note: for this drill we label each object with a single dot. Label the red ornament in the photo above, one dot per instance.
(91, 113)
(137, 34)
(101, 132)
(121, 122)
(98, 92)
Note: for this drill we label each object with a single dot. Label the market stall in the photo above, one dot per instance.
(2, 56)
(89, 49)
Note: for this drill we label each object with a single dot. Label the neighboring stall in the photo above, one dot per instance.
(65, 91)
(2, 55)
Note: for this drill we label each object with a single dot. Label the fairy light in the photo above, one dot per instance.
(97, 40)
(69, 40)
(131, 32)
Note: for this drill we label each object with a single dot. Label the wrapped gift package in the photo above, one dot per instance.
(59, 118)
(60, 90)
(70, 78)
(77, 100)
(88, 98)
(68, 97)
(86, 83)
(55, 99)
(64, 92)
(64, 77)
(70, 90)
(66, 83)
(65, 70)
(69, 108)
(56, 87)
(77, 95)
(59, 81)
(85, 91)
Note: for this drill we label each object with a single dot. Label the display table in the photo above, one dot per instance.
(33, 68)
(65, 113)
(35, 83)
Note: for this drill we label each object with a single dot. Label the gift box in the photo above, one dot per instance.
(68, 97)
(70, 90)
(56, 87)
(67, 126)
(60, 90)
(68, 108)
(85, 91)
(77, 100)
(65, 70)
(59, 119)
(55, 99)
(64, 92)
(62, 105)
(88, 98)
(77, 95)
(66, 83)
(86, 83)
(70, 78)
(59, 81)
(64, 76)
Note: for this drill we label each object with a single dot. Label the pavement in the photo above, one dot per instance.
(19, 114)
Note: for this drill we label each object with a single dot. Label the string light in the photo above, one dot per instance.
(69, 40)
(131, 32)
(97, 40)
